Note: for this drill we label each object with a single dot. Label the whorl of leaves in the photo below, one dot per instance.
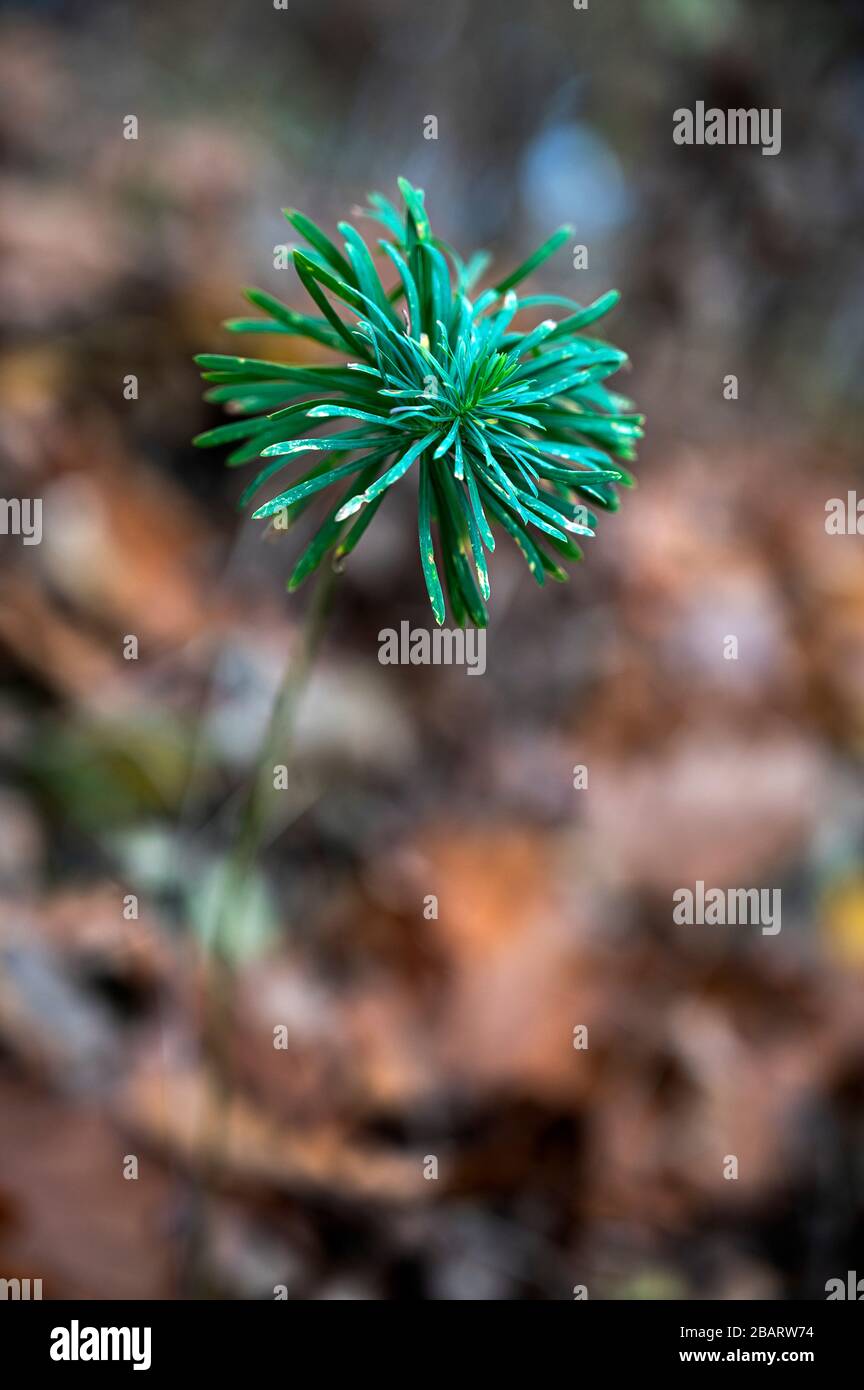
(507, 429)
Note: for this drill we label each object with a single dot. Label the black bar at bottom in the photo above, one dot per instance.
(80, 1339)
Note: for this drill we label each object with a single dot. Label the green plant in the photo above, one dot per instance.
(509, 429)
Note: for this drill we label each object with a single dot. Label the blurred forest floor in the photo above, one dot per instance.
(410, 1038)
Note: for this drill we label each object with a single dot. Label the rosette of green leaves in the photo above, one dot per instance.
(509, 430)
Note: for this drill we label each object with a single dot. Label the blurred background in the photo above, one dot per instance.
(158, 1138)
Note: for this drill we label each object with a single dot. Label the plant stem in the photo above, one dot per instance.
(280, 727)
(239, 870)
(241, 862)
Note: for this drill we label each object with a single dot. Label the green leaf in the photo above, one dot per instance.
(292, 321)
(542, 254)
(324, 539)
(294, 494)
(520, 536)
(245, 368)
(417, 216)
(479, 514)
(602, 493)
(587, 315)
(255, 446)
(226, 434)
(347, 544)
(306, 269)
(440, 296)
(364, 268)
(323, 245)
(255, 326)
(427, 550)
(345, 440)
(383, 211)
(410, 286)
(474, 537)
(272, 468)
(554, 571)
(389, 478)
(465, 598)
(327, 411)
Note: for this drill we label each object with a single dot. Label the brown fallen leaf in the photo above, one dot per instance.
(67, 659)
(182, 1112)
(72, 1217)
